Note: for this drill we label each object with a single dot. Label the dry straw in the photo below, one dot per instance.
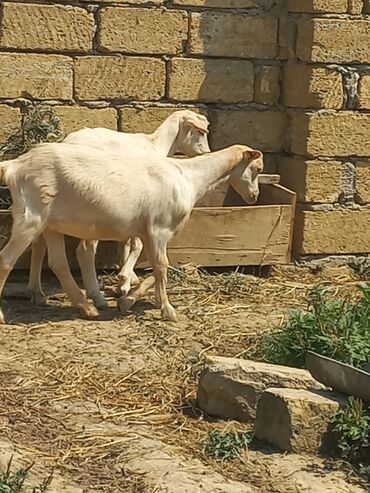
(82, 413)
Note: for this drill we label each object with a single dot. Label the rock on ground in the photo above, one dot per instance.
(296, 420)
(230, 387)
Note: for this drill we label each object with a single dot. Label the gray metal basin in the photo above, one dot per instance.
(339, 376)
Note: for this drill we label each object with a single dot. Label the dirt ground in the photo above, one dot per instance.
(111, 402)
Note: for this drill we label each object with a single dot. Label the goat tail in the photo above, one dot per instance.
(3, 173)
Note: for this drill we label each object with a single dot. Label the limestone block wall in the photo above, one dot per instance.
(287, 76)
(325, 89)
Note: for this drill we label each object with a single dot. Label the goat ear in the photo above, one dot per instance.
(199, 123)
(251, 155)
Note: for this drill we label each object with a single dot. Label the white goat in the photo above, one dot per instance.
(182, 132)
(65, 189)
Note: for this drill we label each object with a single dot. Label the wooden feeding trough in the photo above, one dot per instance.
(222, 231)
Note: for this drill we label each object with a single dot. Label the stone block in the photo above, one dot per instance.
(233, 35)
(77, 117)
(231, 387)
(296, 420)
(36, 76)
(119, 77)
(364, 92)
(227, 81)
(333, 40)
(149, 31)
(305, 86)
(312, 180)
(318, 6)
(344, 133)
(355, 7)
(332, 232)
(220, 4)
(363, 183)
(267, 85)
(46, 27)
(264, 130)
(120, 2)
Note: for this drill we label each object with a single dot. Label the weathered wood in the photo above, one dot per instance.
(234, 236)
(276, 194)
(264, 179)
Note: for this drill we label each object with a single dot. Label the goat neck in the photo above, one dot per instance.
(205, 173)
(164, 138)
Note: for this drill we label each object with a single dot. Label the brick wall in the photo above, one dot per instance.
(287, 76)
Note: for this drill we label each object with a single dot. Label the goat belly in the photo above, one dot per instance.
(86, 221)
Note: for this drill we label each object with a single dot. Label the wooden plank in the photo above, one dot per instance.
(225, 195)
(276, 194)
(233, 236)
(264, 179)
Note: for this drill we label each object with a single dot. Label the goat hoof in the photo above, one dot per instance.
(124, 304)
(169, 313)
(88, 310)
(100, 302)
(38, 299)
(124, 291)
(124, 286)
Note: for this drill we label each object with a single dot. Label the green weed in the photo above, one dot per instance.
(353, 427)
(39, 124)
(337, 328)
(227, 446)
(13, 482)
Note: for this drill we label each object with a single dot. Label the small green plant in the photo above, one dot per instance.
(13, 482)
(227, 446)
(337, 328)
(353, 427)
(39, 124)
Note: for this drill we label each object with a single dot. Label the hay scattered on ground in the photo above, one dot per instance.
(77, 393)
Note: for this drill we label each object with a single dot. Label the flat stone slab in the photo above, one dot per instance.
(231, 387)
(297, 420)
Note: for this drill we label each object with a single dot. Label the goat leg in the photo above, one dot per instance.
(38, 251)
(126, 275)
(85, 254)
(59, 265)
